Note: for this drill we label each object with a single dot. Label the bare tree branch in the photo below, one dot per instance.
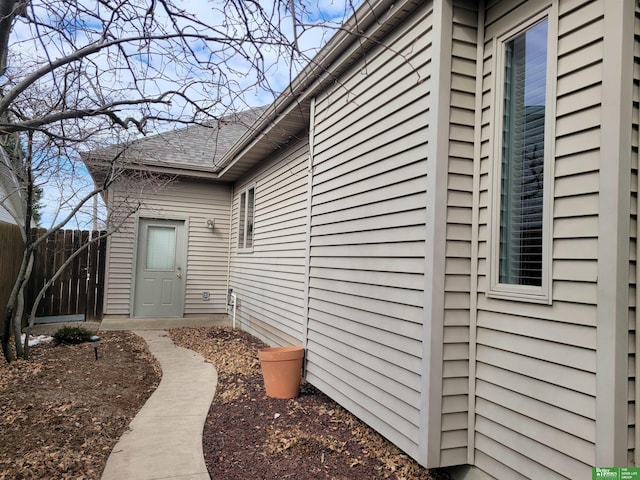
(78, 75)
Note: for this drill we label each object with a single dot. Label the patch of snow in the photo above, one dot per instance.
(36, 340)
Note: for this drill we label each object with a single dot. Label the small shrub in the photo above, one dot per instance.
(72, 335)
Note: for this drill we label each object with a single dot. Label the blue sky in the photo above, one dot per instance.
(326, 14)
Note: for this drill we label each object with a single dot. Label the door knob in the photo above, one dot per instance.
(179, 275)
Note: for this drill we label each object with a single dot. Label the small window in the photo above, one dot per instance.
(521, 221)
(245, 232)
(161, 248)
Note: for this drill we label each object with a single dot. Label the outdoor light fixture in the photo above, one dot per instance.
(211, 223)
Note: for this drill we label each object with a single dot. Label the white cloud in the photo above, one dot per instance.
(156, 68)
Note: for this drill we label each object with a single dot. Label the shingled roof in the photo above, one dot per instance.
(196, 148)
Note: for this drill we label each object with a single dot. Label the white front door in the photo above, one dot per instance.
(159, 287)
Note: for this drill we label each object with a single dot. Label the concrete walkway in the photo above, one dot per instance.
(136, 324)
(165, 438)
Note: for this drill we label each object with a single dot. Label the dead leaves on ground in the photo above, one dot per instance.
(231, 351)
(309, 433)
(61, 412)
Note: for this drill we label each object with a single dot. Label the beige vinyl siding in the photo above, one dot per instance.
(367, 237)
(455, 386)
(535, 381)
(5, 216)
(119, 262)
(633, 242)
(207, 250)
(269, 280)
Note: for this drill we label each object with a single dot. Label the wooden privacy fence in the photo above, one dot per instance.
(80, 286)
(11, 248)
(78, 290)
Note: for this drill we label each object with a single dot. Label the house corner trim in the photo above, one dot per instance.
(435, 244)
(613, 239)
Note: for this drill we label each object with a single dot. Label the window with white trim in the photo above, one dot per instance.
(521, 220)
(245, 228)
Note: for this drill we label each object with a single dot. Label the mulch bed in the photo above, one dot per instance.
(249, 435)
(61, 412)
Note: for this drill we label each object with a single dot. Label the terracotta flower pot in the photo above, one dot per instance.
(281, 370)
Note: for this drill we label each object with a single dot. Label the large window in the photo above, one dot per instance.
(245, 231)
(521, 224)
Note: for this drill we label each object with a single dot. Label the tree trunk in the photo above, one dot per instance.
(11, 307)
(22, 348)
(6, 334)
(17, 327)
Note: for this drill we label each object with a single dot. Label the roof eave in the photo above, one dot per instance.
(296, 98)
(93, 164)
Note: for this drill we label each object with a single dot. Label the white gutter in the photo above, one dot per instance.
(307, 255)
(306, 83)
(193, 171)
(229, 251)
(235, 301)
